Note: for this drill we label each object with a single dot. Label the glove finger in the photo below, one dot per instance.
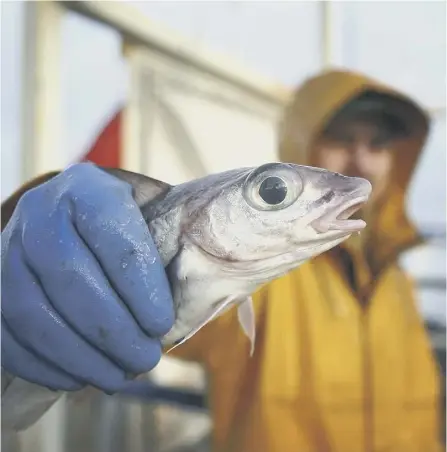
(85, 299)
(41, 330)
(22, 363)
(119, 237)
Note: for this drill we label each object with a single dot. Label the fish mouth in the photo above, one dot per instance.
(337, 219)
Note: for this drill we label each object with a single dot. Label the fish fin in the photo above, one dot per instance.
(247, 321)
(220, 307)
(145, 188)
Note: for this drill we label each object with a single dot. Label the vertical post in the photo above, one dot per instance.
(336, 22)
(139, 113)
(326, 33)
(41, 108)
(41, 126)
(131, 125)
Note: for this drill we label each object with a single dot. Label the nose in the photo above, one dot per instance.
(360, 150)
(360, 156)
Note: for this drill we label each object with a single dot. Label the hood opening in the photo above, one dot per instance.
(314, 109)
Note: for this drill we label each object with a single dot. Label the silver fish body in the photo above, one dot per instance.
(223, 236)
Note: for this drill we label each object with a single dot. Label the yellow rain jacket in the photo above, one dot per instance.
(336, 368)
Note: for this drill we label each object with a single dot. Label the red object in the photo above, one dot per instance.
(106, 150)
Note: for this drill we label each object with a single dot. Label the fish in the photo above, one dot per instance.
(223, 236)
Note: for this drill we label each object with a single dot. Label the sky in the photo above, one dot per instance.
(402, 43)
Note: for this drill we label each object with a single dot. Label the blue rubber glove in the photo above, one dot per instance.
(85, 297)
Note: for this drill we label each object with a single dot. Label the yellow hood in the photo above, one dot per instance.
(312, 105)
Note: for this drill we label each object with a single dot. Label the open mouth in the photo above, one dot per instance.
(338, 219)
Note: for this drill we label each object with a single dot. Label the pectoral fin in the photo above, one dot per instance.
(247, 321)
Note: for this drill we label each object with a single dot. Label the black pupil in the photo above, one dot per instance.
(273, 190)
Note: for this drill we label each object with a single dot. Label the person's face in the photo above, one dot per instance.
(356, 149)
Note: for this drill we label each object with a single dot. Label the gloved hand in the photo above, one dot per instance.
(84, 294)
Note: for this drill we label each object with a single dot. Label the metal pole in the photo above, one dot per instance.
(41, 120)
(134, 132)
(326, 33)
(40, 152)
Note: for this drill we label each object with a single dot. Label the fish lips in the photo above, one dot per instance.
(337, 219)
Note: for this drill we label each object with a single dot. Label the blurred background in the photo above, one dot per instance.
(199, 87)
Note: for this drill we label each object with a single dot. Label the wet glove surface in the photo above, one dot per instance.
(85, 297)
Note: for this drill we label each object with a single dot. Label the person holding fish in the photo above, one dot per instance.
(340, 359)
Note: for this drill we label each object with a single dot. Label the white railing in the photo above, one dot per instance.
(145, 45)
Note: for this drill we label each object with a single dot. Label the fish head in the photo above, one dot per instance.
(273, 218)
(222, 236)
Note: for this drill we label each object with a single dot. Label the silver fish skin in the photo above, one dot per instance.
(223, 236)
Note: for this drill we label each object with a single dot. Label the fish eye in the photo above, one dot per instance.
(273, 190)
(272, 186)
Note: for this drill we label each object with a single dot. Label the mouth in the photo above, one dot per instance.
(338, 219)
